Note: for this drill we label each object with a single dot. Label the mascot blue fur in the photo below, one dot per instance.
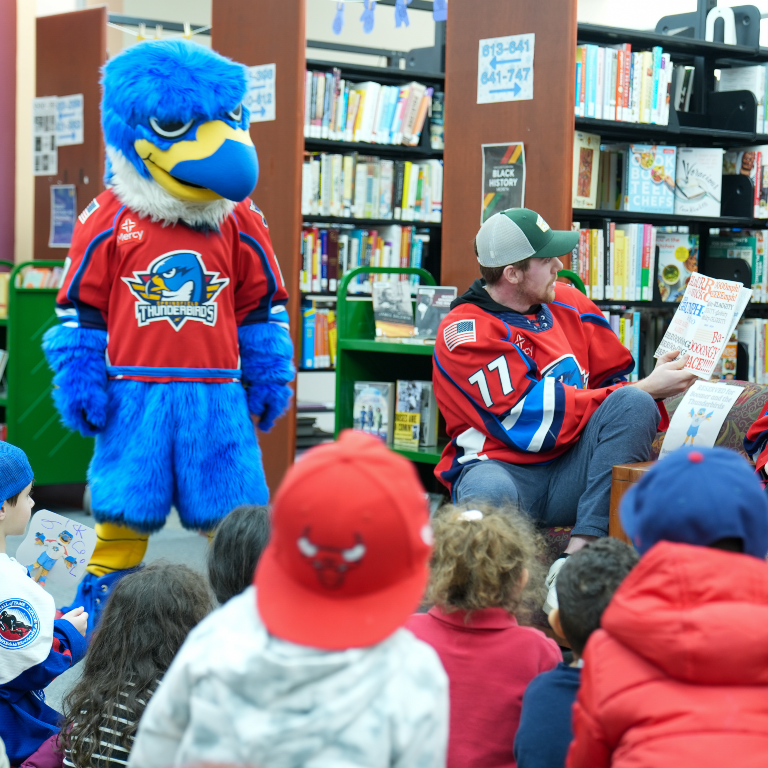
(173, 325)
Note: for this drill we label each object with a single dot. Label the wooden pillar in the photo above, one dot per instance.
(544, 124)
(71, 49)
(272, 32)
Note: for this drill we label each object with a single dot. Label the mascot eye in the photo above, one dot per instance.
(237, 113)
(169, 129)
(170, 273)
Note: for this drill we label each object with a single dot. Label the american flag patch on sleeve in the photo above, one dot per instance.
(460, 332)
(90, 208)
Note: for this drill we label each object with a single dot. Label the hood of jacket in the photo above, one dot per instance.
(699, 614)
(477, 295)
(289, 701)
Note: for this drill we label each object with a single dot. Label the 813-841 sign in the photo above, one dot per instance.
(505, 69)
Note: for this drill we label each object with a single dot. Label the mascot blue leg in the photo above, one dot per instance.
(183, 443)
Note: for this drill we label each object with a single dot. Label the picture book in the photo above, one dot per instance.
(415, 414)
(373, 408)
(433, 303)
(586, 158)
(649, 179)
(704, 321)
(56, 549)
(678, 259)
(698, 181)
(699, 416)
(392, 308)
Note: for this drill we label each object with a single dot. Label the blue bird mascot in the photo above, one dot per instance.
(173, 324)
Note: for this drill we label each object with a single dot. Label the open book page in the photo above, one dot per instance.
(700, 415)
(703, 322)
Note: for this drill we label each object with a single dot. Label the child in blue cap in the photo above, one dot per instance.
(678, 673)
(34, 648)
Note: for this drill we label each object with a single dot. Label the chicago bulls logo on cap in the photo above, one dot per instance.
(331, 564)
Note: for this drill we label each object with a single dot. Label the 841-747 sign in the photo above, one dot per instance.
(505, 69)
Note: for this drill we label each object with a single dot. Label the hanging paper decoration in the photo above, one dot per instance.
(367, 17)
(338, 19)
(440, 10)
(401, 13)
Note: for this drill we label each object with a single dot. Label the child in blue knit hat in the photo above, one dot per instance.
(34, 648)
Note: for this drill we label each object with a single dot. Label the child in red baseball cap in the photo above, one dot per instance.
(311, 666)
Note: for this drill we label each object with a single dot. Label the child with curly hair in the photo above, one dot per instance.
(147, 618)
(484, 568)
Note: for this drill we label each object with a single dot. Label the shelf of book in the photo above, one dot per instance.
(666, 219)
(390, 347)
(427, 454)
(316, 370)
(681, 46)
(370, 222)
(379, 74)
(366, 148)
(635, 132)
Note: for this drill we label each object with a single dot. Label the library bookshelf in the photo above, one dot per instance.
(58, 454)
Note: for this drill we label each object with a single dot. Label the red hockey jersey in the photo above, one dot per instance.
(521, 388)
(170, 297)
(756, 439)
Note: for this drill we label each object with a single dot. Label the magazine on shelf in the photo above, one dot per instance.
(392, 308)
(698, 181)
(678, 259)
(699, 416)
(433, 303)
(373, 408)
(704, 322)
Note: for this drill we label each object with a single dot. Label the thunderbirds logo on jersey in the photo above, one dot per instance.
(567, 371)
(176, 288)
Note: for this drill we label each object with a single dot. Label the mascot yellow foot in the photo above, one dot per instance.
(174, 326)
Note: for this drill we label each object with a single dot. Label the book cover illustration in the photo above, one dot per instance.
(699, 416)
(408, 414)
(698, 181)
(586, 158)
(678, 259)
(650, 179)
(56, 549)
(372, 408)
(433, 303)
(503, 178)
(392, 308)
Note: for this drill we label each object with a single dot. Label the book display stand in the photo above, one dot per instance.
(58, 454)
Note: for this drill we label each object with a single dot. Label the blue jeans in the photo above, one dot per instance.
(575, 488)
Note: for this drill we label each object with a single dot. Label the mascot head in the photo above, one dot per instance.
(176, 131)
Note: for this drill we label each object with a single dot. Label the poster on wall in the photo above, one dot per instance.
(63, 214)
(261, 93)
(505, 69)
(503, 178)
(45, 153)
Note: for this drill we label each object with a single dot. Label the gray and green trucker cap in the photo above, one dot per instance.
(517, 234)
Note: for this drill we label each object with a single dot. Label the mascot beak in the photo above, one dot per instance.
(219, 162)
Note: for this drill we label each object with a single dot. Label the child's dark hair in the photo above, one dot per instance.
(479, 557)
(239, 540)
(148, 617)
(585, 586)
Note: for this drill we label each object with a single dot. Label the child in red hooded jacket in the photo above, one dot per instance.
(678, 674)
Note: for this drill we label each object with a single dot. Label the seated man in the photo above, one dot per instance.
(524, 370)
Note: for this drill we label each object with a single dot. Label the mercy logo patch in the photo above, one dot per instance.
(19, 624)
(176, 288)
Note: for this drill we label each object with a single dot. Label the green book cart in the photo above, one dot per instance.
(57, 454)
(360, 357)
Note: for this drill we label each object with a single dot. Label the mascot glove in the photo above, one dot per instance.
(77, 357)
(266, 357)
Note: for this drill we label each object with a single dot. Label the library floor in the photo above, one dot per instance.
(173, 544)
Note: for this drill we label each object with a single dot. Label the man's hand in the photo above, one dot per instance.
(667, 378)
(78, 618)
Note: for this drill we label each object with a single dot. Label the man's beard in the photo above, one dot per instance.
(527, 295)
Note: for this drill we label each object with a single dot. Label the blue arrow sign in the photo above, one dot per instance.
(495, 61)
(514, 91)
(260, 112)
(64, 136)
